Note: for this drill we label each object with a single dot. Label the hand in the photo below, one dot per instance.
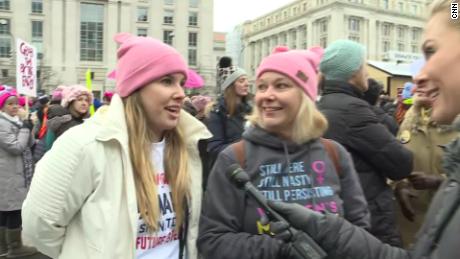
(423, 181)
(404, 194)
(27, 124)
(278, 229)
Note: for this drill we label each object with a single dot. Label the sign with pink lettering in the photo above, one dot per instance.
(26, 68)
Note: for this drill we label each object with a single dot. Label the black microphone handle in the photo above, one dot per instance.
(308, 248)
(249, 187)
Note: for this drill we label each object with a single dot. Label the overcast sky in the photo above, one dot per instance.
(229, 13)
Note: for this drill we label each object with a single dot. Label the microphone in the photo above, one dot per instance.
(305, 246)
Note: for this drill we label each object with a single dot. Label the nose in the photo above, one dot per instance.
(421, 81)
(179, 93)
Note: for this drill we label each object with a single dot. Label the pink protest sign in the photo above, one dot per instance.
(26, 68)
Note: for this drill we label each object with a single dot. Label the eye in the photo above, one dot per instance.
(428, 51)
(167, 81)
(262, 87)
(282, 86)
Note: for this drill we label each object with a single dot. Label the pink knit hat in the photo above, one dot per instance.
(5, 94)
(301, 66)
(142, 60)
(71, 93)
(108, 95)
(56, 95)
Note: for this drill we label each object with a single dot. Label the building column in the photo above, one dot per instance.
(336, 28)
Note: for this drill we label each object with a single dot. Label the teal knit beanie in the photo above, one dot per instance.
(341, 59)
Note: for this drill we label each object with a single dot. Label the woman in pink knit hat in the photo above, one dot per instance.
(285, 159)
(127, 182)
(73, 110)
(16, 171)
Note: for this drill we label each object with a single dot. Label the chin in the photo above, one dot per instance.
(441, 116)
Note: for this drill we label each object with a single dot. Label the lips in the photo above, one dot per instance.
(173, 110)
(271, 109)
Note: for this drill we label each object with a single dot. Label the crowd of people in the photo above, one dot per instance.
(145, 175)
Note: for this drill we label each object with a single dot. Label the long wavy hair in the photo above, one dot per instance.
(232, 100)
(175, 164)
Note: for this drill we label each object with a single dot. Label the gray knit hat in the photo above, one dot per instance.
(341, 59)
(227, 73)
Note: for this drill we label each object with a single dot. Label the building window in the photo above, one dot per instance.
(414, 9)
(193, 3)
(277, 18)
(142, 14)
(37, 37)
(193, 19)
(4, 4)
(192, 57)
(323, 42)
(37, 6)
(4, 72)
(415, 49)
(415, 34)
(386, 46)
(285, 14)
(353, 24)
(169, 2)
(295, 10)
(142, 32)
(168, 18)
(168, 37)
(268, 21)
(91, 32)
(401, 47)
(401, 32)
(385, 4)
(353, 38)
(192, 39)
(386, 29)
(5, 39)
(323, 26)
(401, 6)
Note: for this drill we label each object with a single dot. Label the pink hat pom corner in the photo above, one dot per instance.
(122, 37)
(319, 51)
(280, 49)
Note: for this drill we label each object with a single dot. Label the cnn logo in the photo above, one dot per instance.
(454, 11)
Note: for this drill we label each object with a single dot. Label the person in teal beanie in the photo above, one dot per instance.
(377, 154)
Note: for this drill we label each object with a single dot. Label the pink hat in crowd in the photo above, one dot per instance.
(142, 60)
(56, 95)
(5, 93)
(71, 93)
(301, 66)
(108, 95)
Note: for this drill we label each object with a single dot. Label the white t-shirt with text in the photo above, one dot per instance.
(164, 243)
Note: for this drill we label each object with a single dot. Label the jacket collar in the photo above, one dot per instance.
(333, 86)
(114, 126)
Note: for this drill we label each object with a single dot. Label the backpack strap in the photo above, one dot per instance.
(333, 154)
(238, 149)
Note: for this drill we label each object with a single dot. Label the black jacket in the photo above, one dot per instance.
(225, 129)
(376, 152)
(387, 120)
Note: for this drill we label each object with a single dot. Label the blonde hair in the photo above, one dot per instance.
(438, 6)
(175, 160)
(309, 123)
